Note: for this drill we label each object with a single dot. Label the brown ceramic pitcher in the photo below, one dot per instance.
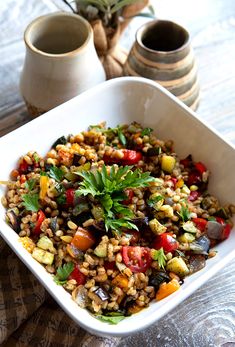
(162, 52)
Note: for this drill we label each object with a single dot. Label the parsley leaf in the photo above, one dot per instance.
(146, 131)
(116, 224)
(56, 173)
(30, 202)
(184, 213)
(121, 136)
(63, 273)
(115, 319)
(159, 256)
(30, 184)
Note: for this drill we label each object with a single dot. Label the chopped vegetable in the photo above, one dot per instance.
(167, 289)
(44, 184)
(168, 163)
(78, 276)
(178, 266)
(46, 244)
(165, 241)
(42, 256)
(137, 258)
(40, 219)
(83, 239)
(13, 219)
(27, 243)
(120, 281)
(156, 227)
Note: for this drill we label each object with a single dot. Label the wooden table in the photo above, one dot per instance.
(207, 318)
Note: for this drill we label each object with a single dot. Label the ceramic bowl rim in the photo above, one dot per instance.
(69, 54)
(152, 23)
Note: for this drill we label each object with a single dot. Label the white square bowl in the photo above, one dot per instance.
(118, 101)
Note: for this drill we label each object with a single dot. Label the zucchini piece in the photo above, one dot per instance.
(42, 256)
(186, 238)
(178, 266)
(46, 244)
(156, 227)
(101, 250)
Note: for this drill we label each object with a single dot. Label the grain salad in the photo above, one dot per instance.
(115, 216)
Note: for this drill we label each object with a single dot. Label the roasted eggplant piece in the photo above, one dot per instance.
(196, 263)
(214, 230)
(157, 278)
(201, 246)
(13, 220)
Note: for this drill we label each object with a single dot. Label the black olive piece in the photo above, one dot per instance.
(157, 278)
(102, 294)
(153, 151)
(60, 141)
(76, 159)
(141, 222)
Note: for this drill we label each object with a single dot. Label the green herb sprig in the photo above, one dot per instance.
(63, 273)
(108, 189)
(159, 256)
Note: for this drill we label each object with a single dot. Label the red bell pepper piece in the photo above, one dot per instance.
(40, 219)
(200, 223)
(200, 167)
(78, 276)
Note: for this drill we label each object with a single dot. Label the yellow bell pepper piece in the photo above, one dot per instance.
(166, 289)
(180, 183)
(120, 281)
(44, 184)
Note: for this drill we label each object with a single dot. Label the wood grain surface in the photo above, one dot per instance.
(207, 318)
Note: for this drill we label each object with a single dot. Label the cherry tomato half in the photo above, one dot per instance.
(77, 275)
(40, 219)
(200, 223)
(130, 157)
(137, 258)
(165, 241)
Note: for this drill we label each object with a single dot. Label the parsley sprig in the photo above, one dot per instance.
(63, 273)
(159, 256)
(184, 213)
(108, 188)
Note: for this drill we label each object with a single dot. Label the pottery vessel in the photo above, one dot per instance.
(162, 52)
(61, 61)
